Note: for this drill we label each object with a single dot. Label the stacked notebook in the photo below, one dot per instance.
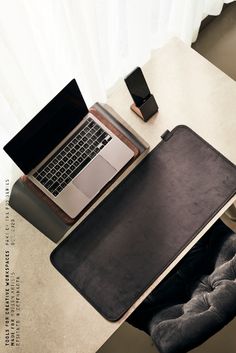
(34, 205)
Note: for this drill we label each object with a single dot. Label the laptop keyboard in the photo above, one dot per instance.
(72, 157)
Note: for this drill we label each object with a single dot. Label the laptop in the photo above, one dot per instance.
(67, 152)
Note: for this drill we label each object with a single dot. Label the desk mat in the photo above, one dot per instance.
(121, 248)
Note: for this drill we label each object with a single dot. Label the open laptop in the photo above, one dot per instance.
(67, 152)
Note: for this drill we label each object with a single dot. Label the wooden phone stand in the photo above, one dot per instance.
(147, 109)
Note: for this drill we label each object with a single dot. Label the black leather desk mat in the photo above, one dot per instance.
(138, 230)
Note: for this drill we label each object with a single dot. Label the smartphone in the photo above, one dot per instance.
(137, 86)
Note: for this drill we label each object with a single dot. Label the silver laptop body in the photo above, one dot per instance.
(67, 152)
(85, 185)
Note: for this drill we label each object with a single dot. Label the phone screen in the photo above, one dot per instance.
(137, 86)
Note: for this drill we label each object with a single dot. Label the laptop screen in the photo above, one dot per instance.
(47, 129)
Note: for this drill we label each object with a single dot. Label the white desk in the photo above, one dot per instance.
(189, 90)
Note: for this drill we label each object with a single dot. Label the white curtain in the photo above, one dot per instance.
(45, 43)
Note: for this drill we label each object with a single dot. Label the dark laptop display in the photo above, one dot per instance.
(43, 133)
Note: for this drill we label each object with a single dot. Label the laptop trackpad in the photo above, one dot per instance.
(92, 179)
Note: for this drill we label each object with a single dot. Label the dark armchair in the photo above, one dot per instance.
(197, 299)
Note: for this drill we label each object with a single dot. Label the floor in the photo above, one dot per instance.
(217, 42)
